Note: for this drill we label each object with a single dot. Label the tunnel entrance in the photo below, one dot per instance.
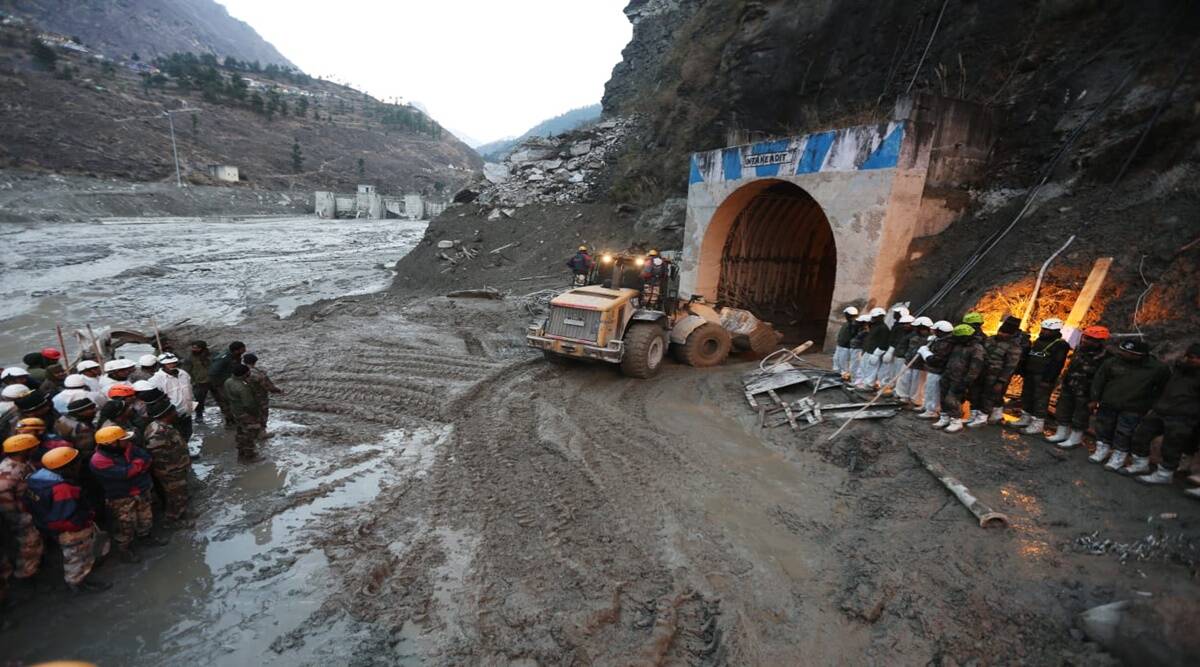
(779, 261)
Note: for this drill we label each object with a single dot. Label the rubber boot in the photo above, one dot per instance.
(942, 422)
(1103, 449)
(1138, 465)
(1073, 441)
(1060, 434)
(1021, 422)
(1036, 427)
(1116, 461)
(996, 417)
(1163, 475)
(954, 426)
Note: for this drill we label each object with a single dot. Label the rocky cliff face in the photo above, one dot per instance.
(151, 27)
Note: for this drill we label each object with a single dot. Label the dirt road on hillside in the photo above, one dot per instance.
(438, 495)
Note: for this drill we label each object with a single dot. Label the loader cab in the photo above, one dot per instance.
(617, 271)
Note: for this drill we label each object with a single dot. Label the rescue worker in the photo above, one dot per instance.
(116, 372)
(53, 384)
(261, 383)
(119, 412)
(655, 271)
(246, 412)
(934, 355)
(176, 384)
(77, 427)
(123, 469)
(171, 462)
(860, 334)
(60, 510)
(1001, 356)
(1073, 407)
(874, 345)
(74, 387)
(895, 358)
(147, 366)
(976, 322)
(974, 394)
(196, 366)
(35, 404)
(15, 470)
(144, 394)
(18, 376)
(908, 383)
(963, 368)
(1123, 390)
(581, 265)
(9, 412)
(1176, 417)
(90, 370)
(220, 371)
(1039, 370)
(841, 355)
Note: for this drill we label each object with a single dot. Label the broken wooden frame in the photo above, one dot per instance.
(805, 409)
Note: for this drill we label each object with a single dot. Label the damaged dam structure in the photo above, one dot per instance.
(796, 229)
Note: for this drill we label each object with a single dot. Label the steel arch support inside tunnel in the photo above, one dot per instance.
(770, 250)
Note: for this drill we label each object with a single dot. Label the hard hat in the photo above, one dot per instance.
(653, 253)
(943, 326)
(923, 321)
(32, 401)
(80, 405)
(973, 318)
(13, 372)
(148, 360)
(964, 330)
(110, 434)
(59, 457)
(117, 365)
(168, 358)
(658, 261)
(142, 385)
(851, 311)
(51, 353)
(863, 318)
(31, 424)
(582, 248)
(906, 318)
(159, 408)
(878, 312)
(1096, 331)
(122, 390)
(1052, 324)
(900, 308)
(74, 382)
(20, 443)
(15, 391)
(86, 365)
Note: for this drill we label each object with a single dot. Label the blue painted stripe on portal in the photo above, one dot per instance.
(815, 150)
(731, 164)
(888, 153)
(695, 176)
(780, 146)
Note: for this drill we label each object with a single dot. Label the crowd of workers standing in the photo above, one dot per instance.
(88, 448)
(1124, 396)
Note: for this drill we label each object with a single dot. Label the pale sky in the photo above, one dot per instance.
(486, 68)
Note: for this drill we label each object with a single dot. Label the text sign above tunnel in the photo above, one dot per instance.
(852, 149)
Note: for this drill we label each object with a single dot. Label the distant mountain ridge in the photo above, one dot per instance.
(573, 119)
(150, 28)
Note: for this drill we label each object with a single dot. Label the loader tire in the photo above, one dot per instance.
(708, 345)
(645, 349)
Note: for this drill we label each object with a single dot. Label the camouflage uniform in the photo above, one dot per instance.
(170, 467)
(130, 517)
(1072, 409)
(963, 368)
(246, 413)
(18, 522)
(262, 386)
(81, 435)
(79, 553)
(1001, 356)
(1040, 369)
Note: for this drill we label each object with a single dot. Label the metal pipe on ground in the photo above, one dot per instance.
(988, 518)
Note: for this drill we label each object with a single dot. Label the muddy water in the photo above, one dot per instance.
(119, 272)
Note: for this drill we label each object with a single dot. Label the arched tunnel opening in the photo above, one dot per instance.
(780, 262)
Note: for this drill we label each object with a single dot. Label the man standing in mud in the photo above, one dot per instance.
(61, 510)
(1002, 354)
(196, 366)
(261, 383)
(245, 411)
(219, 373)
(963, 368)
(124, 471)
(171, 462)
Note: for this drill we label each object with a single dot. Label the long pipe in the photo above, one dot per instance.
(988, 518)
(1038, 285)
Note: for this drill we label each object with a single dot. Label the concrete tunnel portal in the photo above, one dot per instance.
(777, 257)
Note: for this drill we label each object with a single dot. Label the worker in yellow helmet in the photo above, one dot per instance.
(15, 470)
(60, 509)
(581, 265)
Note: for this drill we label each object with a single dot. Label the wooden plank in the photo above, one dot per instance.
(1083, 303)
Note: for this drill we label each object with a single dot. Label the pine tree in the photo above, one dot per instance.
(362, 169)
(297, 157)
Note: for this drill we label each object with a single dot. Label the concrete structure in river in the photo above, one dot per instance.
(797, 229)
(368, 203)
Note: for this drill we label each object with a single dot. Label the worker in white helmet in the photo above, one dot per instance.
(860, 334)
(147, 366)
(91, 372)
(875, 345)
(841, 355)
(908, 379)
(116, 372)
(75, 387)
(934, 355)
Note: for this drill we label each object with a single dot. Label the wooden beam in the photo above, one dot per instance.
(1083, 303)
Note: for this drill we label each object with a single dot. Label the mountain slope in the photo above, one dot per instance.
(575, 118)
(150, 27)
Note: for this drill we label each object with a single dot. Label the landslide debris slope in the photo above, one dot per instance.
(93, 113)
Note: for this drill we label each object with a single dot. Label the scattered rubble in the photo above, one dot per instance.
(558, 170)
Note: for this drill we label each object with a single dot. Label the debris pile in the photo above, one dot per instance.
(775, 411)
(1177, 548)
(557, 170)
